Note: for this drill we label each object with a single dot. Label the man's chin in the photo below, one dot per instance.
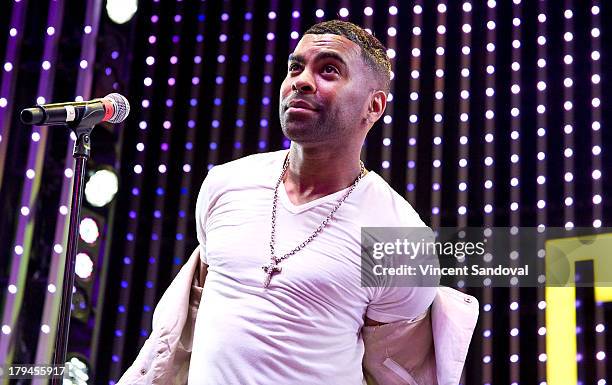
(299, 131)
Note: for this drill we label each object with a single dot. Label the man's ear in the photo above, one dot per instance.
(376, 106)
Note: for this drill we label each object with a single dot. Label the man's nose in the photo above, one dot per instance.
(303, 83)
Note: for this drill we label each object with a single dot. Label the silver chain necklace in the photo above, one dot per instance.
(272, 267)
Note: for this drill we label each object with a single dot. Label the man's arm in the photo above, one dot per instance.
(371, 322)
(202, 273)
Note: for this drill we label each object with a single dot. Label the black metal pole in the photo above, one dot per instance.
(80, 154)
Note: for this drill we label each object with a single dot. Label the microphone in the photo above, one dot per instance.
(113, 108)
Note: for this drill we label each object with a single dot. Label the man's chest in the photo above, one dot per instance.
(238, 245)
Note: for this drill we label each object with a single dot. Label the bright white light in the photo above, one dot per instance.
(12, 289)
(101, 188)
(6, 329)
(467, 7)
(541, 85)
(51, 288)
(568, 36)
(391, 31)
(343, 12)
(595, 55)
(596, 150)
(121, 11)
(393, 10)
(542, 357)
(416, 31)
(568, 14)
(319, 13)
(368, 11)
(595, 32)
(541, 63)
(595, 79)
(596, 174)
(83, 266)
(416, 52)
(88, 230)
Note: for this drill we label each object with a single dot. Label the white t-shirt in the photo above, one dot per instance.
(305, 327)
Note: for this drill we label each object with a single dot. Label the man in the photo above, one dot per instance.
(273, 293)
(298, 319)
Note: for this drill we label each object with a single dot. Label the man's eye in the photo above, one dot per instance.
(294, 67)
(329, 69)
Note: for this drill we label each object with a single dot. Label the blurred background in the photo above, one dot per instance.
(496, 117)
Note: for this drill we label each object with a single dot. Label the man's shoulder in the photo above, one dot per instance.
(245, 168)
(398, 211)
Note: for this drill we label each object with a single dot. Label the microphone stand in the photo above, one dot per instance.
(82, 128)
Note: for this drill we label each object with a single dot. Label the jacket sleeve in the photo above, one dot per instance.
(164, 358)
(428, 350)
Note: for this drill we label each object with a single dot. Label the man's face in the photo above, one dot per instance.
(325, 94)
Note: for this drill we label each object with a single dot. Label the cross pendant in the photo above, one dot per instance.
(270, 269)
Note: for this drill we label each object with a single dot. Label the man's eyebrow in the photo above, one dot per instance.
(320, 56)
(296, 58)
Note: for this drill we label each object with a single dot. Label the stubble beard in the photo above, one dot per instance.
(315, 130)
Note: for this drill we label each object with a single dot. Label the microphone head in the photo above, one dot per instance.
(121, 105)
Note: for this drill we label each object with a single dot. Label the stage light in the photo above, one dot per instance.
(83, 266)
(78, 372)
(121, 11)
(101, 188)
(88, 230)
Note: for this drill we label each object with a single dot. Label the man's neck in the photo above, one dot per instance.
(315, 172)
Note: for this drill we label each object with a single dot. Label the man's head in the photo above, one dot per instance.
(373, 53)
(336, 85)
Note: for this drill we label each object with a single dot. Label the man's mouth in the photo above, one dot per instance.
(299, 104)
